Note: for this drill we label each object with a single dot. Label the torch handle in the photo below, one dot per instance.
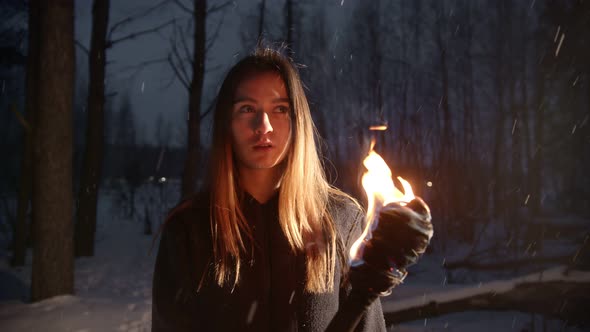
(351, 311)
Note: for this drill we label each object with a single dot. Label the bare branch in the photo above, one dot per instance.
(132, 18)
(218, 7)
(187, 52)
(138, 67)
(180, 61)
(176, 61)
(215, 34)
(183, 6)
(168, 81)
(139, 33)
(209, 110)
(212, 69)
(82, 47)
(178, 74)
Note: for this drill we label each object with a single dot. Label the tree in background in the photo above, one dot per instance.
(261, 19)
(190, 172)
(127, 155)
(94, 149)
(566, 64)
(53, 254)
(193, 82)
(290, 27)
(95, 132)
(31, 105)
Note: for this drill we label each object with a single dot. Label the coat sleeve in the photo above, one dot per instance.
(173, 303)
(373, 319)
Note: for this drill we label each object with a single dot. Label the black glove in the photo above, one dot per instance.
(398, 240)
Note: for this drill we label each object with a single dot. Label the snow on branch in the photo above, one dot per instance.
(559, 292)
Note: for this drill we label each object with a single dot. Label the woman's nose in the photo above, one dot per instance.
(262, 125)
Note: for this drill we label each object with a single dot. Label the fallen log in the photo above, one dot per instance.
(559, 293)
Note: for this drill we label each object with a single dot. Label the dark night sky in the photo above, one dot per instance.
(149, 88)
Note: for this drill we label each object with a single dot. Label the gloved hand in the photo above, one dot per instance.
(399, 239)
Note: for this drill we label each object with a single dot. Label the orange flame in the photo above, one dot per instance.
(380, 189)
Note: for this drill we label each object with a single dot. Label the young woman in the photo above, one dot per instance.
(265, 247)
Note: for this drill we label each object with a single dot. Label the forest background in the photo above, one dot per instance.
(487, 106)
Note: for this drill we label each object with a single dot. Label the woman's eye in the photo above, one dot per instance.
(246, 109)
(282, 109)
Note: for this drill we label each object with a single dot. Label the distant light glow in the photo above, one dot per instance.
(429, 184)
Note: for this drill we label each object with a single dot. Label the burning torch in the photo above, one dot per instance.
(398, 231)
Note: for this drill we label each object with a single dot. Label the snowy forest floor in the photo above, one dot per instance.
(113, 290)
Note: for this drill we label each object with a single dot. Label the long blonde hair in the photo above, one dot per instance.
(304, 193)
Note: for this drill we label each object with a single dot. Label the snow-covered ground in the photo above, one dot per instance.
(113, 290)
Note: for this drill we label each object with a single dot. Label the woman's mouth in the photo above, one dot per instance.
(262, 147)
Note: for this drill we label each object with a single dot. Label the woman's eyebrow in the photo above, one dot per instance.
(240, 99)
(281, 100)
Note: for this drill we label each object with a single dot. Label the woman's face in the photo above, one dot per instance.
(261, 122)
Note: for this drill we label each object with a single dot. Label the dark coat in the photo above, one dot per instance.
(270, 295)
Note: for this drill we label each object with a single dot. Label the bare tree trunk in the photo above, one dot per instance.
(314, 48)
(468, 109)
(289, 24)
(190, 173)
(375, 57)
(404, 76)
(53, 259)
(26, 171)
(537, 155)
(471, 176)
(498, 150)
(514, 191)
(445, 155)
(525, 116)
(93, 155)
(447, 144)
(416, 153)
(261, 20)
